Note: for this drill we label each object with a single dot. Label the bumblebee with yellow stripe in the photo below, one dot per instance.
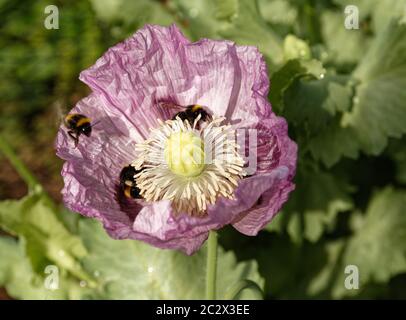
(128, 183)
(191, 113)
(78, 124)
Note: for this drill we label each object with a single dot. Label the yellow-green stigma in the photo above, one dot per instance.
(184, 154)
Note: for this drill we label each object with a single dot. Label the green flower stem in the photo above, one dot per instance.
(211, 270)
(242, 285)
(20, 167)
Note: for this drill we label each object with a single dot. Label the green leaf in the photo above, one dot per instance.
(378, 247)
(289, 269)
(21, 282)
(123, 18)
(135, 13)
(370, 104)
(128, 269)
(315, 203)
(124, 269)
(397, 151)
(333, 142)
(204, 18)
(283, 78)
(236, 20)
(322, 279)
(278, 12)
(379, 111)
(246, 27)
(278, 259)
(294, 227)
(345, 47)
(313, 104)
(381, 11)
(385, 11)
(314, 109)
(8, 254)
(46, 239)
(107, 10)
(108, 268)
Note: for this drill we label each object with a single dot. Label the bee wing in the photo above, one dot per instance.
(59, 114)
(95, 123)
(169, 109)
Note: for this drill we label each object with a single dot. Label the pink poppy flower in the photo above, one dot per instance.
(189, 170)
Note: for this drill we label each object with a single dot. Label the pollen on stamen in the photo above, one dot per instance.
(190, 185)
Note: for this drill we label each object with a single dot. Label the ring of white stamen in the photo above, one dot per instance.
(190, 194)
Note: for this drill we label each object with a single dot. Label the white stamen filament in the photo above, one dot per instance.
(190, 194)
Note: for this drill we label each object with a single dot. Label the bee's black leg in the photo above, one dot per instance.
(74, 136)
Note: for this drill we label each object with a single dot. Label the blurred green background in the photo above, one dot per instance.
(342, 91)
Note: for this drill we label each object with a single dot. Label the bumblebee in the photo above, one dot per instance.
(78, 124)
(128, 184)
(192, 112)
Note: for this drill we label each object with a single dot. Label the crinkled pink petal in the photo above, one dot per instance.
(275, 150)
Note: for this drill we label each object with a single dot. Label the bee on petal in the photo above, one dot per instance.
(192, 113)
(128, 183)
(78, 124)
